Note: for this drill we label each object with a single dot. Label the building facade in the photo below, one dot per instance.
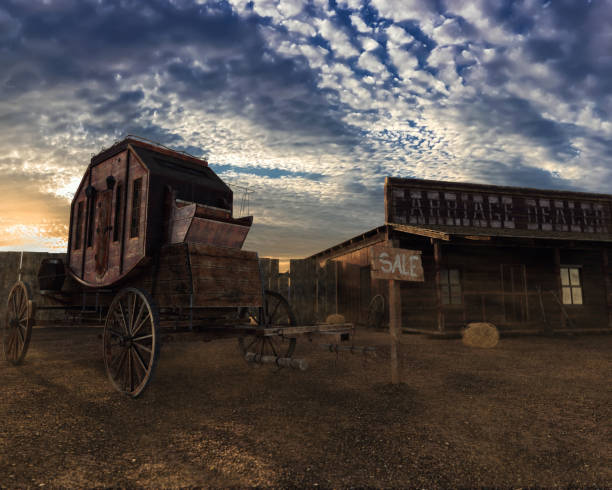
(526, 260)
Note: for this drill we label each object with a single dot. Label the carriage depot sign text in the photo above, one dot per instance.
(414, 206)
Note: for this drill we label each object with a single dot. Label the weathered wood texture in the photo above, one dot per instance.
(197, 275)
(499, 281)
(121, 214)
(605, 258)
(98, 238)
(340, 285)
(203, 224)
(396, 264)
(395, 326)
(303, 289)
(511, 211)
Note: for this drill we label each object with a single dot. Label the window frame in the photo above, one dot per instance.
(117, 225)
(78, 229)
(136, 208)
(570, 285)
(448, 288)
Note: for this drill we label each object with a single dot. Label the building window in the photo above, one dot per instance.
(571, 286)
(79, 226)
(450, 287)
(117, 223)
(136, 198)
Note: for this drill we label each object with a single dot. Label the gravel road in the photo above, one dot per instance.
(532, 411)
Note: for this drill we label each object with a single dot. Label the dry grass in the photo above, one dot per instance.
(335, 318)
(479, 334)
(532, 411)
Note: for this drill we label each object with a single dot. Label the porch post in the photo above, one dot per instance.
(437, 265)
(559, 287)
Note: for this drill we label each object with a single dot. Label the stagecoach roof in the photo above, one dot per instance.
(165, 162)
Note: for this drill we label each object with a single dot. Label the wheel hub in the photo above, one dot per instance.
(13, 323)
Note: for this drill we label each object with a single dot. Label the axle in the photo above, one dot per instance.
(300, 364)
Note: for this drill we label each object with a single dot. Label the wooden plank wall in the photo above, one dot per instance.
(303, 289)
(314, 294)
(269, 272)
(484, 297)
(341, 285)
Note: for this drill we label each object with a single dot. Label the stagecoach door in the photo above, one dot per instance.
(102, 224)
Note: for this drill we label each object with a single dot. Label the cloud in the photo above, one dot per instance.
(311, 103)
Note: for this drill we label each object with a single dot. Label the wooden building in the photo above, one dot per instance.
(523, 259)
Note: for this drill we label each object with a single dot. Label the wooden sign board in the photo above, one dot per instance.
(433, 204)
(397, 264)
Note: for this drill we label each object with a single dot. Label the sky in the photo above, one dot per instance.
(309, 103)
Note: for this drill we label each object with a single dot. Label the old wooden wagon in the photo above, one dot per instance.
(153, 248)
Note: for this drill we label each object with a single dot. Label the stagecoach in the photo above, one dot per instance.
(153, 248)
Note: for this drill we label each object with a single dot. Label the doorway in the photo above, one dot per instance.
(514, 293)
(102, 236)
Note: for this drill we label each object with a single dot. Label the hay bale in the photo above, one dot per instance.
(480, 334)
(335, 319)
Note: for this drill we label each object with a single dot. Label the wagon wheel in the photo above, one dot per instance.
(17, 327)
(276, 312)
(131, 341)
(376, 311)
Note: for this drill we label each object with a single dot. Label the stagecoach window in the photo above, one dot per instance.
(571, 287)
(450, 287)
(136, 195)
(79, 226)
(92, 217)
(117, 223)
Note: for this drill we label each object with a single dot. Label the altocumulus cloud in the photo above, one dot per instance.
(309, 102)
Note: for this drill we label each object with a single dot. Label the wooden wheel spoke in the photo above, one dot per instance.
(16, 344)
(9, 346)
(140, 359)
(116, 362)
(272, 346)
(137, 321)
(276, 310)
(132, 310)
(17, 328)
(14, 303)
(114, 333)
(142, 337)
(123, 319)
(20, 335)
(19, 301)
(272, 315)
(132, 326)
(23, 307)
(143, 347)
(139, 371)
(139, 326)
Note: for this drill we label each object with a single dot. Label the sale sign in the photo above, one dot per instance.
(396, 264)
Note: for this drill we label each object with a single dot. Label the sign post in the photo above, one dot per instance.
(395, 265)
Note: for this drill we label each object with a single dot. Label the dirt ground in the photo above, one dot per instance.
(532, 411)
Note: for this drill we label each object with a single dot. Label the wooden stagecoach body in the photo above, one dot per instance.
(145, 210)
(153, 246)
